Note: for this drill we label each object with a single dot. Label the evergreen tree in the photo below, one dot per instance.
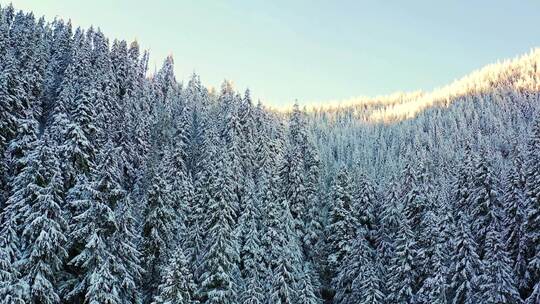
(465, 266)
(13, 217)
(128, 258)
(435, 288)
(359, 277)
(515, 205)
(369, 284)
(283, 256)
(314, 229)
(461, 186)
(403, 272)
(177, 285)
(44, 227)
(390, 220)
(103, 274)
(484, 200)
(498, 283)
(11, 289)
(282, 286)
(73, 113)
(305, 289)
(342, 224)
(365, 202)
(293, 175)
(219, 265)
(158, 230)
(249, 238)
(12, 98)
(275, 225)
(253, 293)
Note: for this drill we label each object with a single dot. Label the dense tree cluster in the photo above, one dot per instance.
(119, 187)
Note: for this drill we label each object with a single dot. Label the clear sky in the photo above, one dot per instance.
(310, 50)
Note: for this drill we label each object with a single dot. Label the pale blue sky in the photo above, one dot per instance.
(314, 51)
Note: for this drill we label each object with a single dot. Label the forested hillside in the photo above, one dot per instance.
(119, 186)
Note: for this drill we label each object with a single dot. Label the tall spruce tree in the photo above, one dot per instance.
(219, 263)
(484, 200)
(516, 209)
(177, 285)
(158, 231)
(102, 273)
(45, 226)
(359, 277)
(498, 282)
(403, 270)
(342, 226)
(465, 266)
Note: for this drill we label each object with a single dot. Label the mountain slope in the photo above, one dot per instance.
(519, 75)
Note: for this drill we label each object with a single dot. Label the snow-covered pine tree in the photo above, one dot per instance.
(24, 143)
(283, 257)
(365, 202)
(181, 186)
(203, 182)
(497, 282)
(198, 96)
(466, 266)
(342, 225)
(102, 273)
(461, 185)
(306, 292)
(12, 218)
(128, 258)
(253, 292)
(11, 288)
(292, 172)
(515, 212)
(262, 143)
(403, 270)
(359, 278)
(313, 227)
(177, 285)
(23, 186)
(73, 113)
(248, 233)
(286, 277)
(484, 199)
(369, 283)
(107, 103)
(219, 263)
(273, 237)
(435, 287)
(246, 116)
(387, 232)
(45, 226)
(60, 57)
(418, 207)
(11, 91)
(121, 75)
(21, 83)
(281, 289)
(158, 231)
(232, 134)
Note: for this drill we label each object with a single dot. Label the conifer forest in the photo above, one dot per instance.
(119, 185)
